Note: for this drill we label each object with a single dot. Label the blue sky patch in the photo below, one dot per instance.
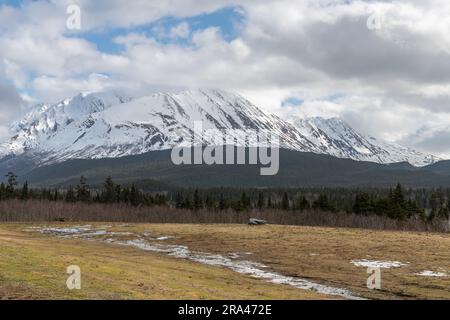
(335, 97)
(228, 21)
(11, 3)
(292, 102)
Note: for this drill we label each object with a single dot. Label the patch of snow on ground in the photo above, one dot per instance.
(78, 232)
(377, 264)
(234, 255)
(63, 231)
(163, 238)
(428, 273)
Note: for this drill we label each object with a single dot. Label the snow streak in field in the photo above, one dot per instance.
(378, 264)
(428, 273)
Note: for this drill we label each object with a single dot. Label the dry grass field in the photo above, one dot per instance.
(33, 264)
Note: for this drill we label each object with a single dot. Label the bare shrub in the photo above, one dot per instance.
(48, 211)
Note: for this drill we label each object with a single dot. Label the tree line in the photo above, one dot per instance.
(395, 203)
(82, 192)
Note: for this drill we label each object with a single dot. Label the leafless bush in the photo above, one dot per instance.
(47, 211)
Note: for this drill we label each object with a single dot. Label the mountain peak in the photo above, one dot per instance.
(109, 124)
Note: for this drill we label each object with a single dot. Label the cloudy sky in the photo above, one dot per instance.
(383, 66)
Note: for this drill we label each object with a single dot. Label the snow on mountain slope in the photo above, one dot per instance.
(45, 125)
(106, 125)
(109, 125)
(335, 137)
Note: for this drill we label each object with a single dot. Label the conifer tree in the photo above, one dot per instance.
(2, 191)
(118, 192)
(245, 202)
(134, 196)
(11, 184)
(260, 203)
(302, 204)
(209, 203)
(198, 204)
(24, 195)
(222, 204)
(70, 195)
(179, 200)
(109, 193)
(82, 190)
(285, 202)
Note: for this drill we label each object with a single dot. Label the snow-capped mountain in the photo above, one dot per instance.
(337, 138)
(108, 125)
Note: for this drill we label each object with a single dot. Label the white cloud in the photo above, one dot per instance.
(181, 30)
(11, 105)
